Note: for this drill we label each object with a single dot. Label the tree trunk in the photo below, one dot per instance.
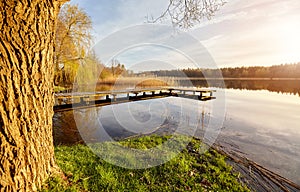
(26, 92)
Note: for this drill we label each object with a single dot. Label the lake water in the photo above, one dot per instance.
(265, 126)
(260, 119)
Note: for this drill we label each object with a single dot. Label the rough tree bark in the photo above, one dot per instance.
(26, 84)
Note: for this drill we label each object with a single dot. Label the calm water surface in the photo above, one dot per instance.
(263, 125)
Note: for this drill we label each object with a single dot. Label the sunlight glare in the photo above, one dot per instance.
(289, 33)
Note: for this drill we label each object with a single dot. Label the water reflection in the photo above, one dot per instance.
(279, 86)
(65, 131)
(265, 127)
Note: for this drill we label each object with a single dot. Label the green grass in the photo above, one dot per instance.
(188, 171)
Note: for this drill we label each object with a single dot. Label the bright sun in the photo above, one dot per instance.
(289, 33)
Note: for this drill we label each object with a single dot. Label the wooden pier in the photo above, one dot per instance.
(77, 100)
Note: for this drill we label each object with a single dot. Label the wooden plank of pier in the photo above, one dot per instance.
(67, 101)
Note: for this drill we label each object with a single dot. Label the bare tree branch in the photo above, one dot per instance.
(186, 13)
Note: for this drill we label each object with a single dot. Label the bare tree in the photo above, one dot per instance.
(187, 13)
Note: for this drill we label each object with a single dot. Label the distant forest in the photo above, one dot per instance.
(276, 71)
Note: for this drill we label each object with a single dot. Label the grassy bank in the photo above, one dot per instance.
(136, 81)
(189, 171)
(121, 83)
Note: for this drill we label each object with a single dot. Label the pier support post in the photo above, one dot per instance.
(82, 100)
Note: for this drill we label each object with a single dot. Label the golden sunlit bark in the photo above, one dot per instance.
(26, 84)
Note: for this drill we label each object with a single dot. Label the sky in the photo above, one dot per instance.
(242, 33)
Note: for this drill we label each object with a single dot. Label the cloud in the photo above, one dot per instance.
(111, 16)
(253, 35)
(140, 43)
(241, 33)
